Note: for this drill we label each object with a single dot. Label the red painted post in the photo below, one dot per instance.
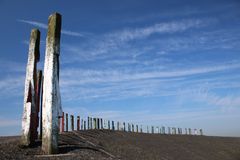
(63, 122)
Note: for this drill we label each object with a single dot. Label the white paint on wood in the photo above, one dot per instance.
(29, 106)
(52, 108)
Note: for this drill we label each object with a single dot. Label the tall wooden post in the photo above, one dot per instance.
(29, 128)
(51, 94)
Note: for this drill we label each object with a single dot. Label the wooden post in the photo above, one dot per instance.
(63, 122)
(109, 126)
(118, 126)
(29, 128)
(113, 128)
(124, 126)
(84, 125)
(101, 122)
(51, 93)
(189, 131)
(38, 95)
(66, 122)
(88, 123)
(72, 122)
(40, 129)
(78, 123)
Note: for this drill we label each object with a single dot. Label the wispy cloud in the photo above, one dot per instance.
(44, 26)
(121, 84)
(117, 42)
(9, 122)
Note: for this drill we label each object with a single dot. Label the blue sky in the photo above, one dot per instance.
(152, 62)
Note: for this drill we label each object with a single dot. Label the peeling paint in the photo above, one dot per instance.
(29, 105)
(52, 108)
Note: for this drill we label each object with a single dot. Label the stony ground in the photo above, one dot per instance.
(107, 145)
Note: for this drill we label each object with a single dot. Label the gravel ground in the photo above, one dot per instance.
(111, 145)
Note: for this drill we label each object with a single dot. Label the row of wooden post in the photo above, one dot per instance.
(99, 123)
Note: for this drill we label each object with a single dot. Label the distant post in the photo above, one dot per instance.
(169, 130)
(124, 126)
(63, 121)
(29, 127)
(101, 122)
(66, 122)
(189, 131)
(72, 122)
(113, 128)
(78, 123)
(109, 126)
(84, 125)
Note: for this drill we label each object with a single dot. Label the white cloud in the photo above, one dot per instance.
(44, 26)
(9, 122)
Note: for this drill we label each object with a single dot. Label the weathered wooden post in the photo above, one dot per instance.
(82, 124)
(63, 122)
(163, 130)
(152, 129)
(98, 123)
(85, 125)
(178, 131)
(189, 131)
(101, 122)
(72, 122)
(51, 94)
(38, 95)
(117, 126)
(113, 128)
(109, 125)
(66, 122)
(40, 129)
(169, 130)
(78, 123)
(29, 129)
(91, 123)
